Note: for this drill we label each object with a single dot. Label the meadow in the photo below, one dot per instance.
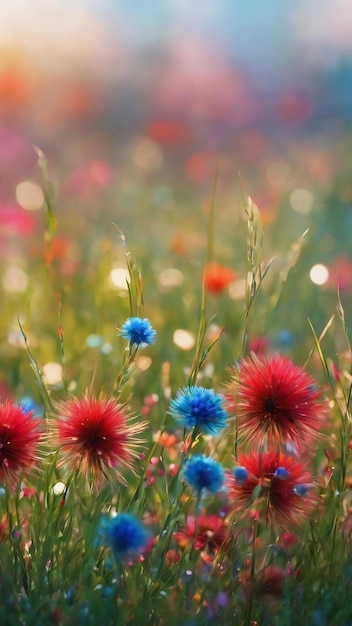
(175, 421)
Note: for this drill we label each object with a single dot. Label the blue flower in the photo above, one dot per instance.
(301, 490)
(281, 472)
(201, 408)
(283, 339)
(28, 405)
(138, 331)
(202, 472)
(124, 533)
(240, 474)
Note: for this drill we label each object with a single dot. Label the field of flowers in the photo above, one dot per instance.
(175, 421)
(175, 282)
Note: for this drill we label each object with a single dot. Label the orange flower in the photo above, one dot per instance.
(217, 277)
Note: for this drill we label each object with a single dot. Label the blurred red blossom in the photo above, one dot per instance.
(217, 277)
(89, 180)
(15, 221)
(340, 273)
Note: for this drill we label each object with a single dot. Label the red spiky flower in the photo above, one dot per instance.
(274, 484)
(278, 402)
(97, 438)
(20, 433)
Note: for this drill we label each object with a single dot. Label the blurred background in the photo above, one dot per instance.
(137, 105)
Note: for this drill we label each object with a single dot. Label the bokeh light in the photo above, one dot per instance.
(29, 196)
(183, 339)
(319, 274)
(119, 277)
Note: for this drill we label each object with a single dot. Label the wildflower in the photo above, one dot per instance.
(217, 277)
(279, 484)
(286, 540)
(202, 472)
(19, 438)
(283, 339)
(240, 474)
(277, 402)
(206, 531)
(267, 585)
(220, 601)
(124, 534)
(201, 408)
(96, 437)
(138, 331)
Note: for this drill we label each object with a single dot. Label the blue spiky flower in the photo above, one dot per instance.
(201, 408)
(203, 472)
(124, 534)
(138, 331)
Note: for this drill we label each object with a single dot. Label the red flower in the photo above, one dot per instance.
(277, 402)
(276, 484)
(96, 437)
(258, 345)
(266, 585)
(19, 437)
(217, 277)
(205, 531)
